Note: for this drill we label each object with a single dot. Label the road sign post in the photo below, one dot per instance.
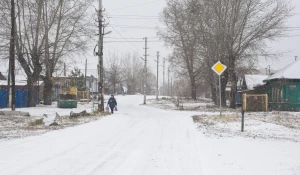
(219, 68)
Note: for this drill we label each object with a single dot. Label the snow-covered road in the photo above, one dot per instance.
(135, 140)
(143, 140)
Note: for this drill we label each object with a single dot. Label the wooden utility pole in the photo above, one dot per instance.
(168, 80)
(145, 71)
(164, 65)
(65, 72)
(85, 74)
(8, 86)
(12, 55)
(100, 59)
(171, 86)
(157, 76)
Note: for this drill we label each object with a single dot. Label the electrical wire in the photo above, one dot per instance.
(137, 5)
(132, 41)
(134, 18)
(119, 33)
(135, 27)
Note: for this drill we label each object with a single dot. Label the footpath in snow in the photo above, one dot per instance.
(143, 140)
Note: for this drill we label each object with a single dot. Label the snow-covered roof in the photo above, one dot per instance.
(291, 71)
(254, 80)
(18, 83)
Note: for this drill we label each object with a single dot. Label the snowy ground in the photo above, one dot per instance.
(12, 127)
(142, 139)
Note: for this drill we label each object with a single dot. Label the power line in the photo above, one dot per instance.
(131, 38)
(122, 37)
(154, 22)
(109, 52)
(131, 41)
(120, 17)
(120, 34)
(137, 5)
(135, 27)
(137, 16)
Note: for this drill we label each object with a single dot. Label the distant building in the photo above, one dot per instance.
(91, 84)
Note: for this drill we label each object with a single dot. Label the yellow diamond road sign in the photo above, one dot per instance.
(219, 68)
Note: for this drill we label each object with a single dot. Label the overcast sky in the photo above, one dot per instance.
(132, 20)
(143, 15)
(289, 46)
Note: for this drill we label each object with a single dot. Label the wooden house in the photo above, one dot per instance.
(283, 88)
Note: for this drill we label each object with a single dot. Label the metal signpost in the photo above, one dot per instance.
(219, 68)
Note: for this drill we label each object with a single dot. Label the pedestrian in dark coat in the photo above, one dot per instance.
(112, 103)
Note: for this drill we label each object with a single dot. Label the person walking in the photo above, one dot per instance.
(112, 103)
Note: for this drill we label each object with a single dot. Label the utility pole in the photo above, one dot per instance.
(145, 71)
(157, 76)
(8, 86)
(171, 86)
(296, 58)
(12, 54)
(100, 59)
(164, 65)
(168, 80)
(85, 74)
(65, 72)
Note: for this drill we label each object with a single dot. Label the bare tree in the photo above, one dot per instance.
(243, 27)
(47, 32)
(132, 69)
(67, 32)
(180, 33)
(5, 26)
(222, 30)
(29, 42)
(114, 72)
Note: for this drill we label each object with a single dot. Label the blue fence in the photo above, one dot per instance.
(3, 98)
(21, 98)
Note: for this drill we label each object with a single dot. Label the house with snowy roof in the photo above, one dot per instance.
(283, 88)
(250, 84)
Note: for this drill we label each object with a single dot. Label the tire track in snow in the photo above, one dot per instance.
(114, 144)
(117, 151)
(138, 140)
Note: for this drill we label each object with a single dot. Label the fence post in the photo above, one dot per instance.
(243, 116)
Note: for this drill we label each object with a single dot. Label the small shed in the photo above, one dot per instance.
(283, 88)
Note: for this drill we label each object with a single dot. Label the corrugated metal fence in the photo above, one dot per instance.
(21, 98)
(3, 98)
